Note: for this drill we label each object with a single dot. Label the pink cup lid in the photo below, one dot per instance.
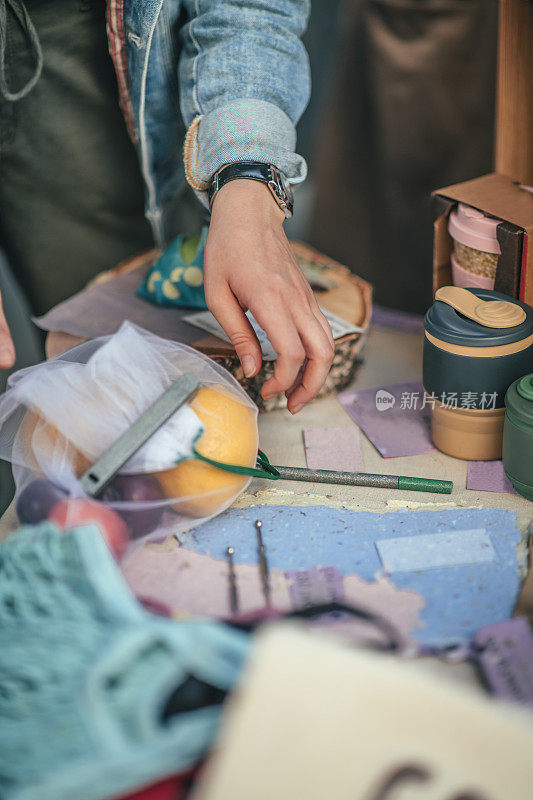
(474, 229)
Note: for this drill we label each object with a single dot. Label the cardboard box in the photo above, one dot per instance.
(501, 197)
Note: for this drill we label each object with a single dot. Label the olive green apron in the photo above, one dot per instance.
(71, 194)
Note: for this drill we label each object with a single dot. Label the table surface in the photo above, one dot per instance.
(391, 356)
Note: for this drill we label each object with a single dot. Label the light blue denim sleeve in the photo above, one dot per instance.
(244, 83)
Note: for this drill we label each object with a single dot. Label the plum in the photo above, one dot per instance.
(136, 489)
(37, 500)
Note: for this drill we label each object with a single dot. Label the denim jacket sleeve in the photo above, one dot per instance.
(244, 83)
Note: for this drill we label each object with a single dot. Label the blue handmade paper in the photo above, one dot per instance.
(459, 599)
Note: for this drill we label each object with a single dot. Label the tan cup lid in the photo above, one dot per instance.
(491, 313)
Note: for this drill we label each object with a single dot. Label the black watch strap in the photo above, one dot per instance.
(257, 171)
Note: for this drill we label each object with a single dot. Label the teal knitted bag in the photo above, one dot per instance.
(86, 674)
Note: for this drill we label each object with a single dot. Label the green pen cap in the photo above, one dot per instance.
(424, 485)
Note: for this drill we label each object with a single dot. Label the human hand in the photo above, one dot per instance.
(7, 348)
(249, 265)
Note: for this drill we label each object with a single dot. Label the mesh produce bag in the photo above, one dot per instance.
(59, 417)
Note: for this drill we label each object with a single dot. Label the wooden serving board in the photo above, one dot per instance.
(347, 295)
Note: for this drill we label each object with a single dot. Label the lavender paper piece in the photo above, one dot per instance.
(311, 587)
(191, 583)
(488, 476)
(394, 418)
(450, 549)
(185, 582)
(101, 308)
(402, 607)
(505, 654)
(397, 320)
(333, 448)
(385, 609)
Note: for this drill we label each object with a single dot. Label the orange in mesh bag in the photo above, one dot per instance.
(230, 436)
(36, 435)
(58, 418)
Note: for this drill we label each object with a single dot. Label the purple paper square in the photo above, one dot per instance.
(488, 476)
(333, 448)
(310, 587)
(397, 320)
(395, 418)
(505, 653)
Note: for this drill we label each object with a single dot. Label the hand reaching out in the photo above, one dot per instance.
(7, 349)
(249, 265)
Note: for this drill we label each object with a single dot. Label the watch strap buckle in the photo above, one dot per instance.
(276, 185)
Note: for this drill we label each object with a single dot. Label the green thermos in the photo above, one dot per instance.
(518, 435)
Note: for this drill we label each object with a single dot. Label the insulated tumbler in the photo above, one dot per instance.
(518, 435)
(477, 342)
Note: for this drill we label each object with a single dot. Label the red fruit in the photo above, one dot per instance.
(82, 511)
(165, 790)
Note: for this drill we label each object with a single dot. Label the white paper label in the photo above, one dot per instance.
(206, 321)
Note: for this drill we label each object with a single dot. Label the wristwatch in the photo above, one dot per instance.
(256, 171)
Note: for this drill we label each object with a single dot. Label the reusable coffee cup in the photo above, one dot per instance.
(518, 435)
(475, 247)
(476, 343)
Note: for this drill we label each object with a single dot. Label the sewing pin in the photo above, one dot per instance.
(233, 594)
(263, 563)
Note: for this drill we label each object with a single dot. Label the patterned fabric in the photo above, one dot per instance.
(89, 700)
(177, 278)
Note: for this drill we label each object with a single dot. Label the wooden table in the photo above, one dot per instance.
(391, 357)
